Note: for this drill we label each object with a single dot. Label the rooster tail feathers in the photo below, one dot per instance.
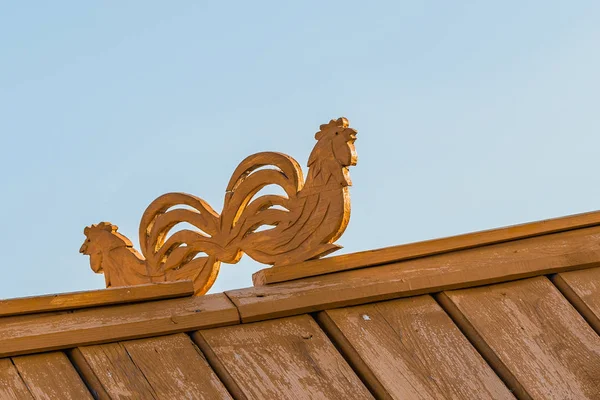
(218, 236)
(249, 178)
(159, 219)
(202, 271)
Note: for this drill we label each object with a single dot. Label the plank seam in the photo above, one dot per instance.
(199, 350)
(237, 310)
(154, 393)
(477, 341)
(350, 355)
(78, 366)
(576, 302)
(22, 378)
(217, 366)
(383, 317)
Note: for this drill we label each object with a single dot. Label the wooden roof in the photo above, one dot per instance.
(501, 314)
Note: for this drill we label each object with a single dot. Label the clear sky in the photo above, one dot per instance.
(471, 115)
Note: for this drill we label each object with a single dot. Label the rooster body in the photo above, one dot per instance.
(302, 225)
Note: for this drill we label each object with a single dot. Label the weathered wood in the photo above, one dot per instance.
(530, 334)
(301, 225)
(51, 376)
(409, 251)
(582, 289)
(410, 349)
(30, 317)
(503, 262)
(87, 374)
(175, 368)
(11, 384)
(167, 367)
(94, 298)
(288, 358)
(109, 324)
(110, 373)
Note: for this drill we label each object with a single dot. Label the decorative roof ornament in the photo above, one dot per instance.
(271, 229)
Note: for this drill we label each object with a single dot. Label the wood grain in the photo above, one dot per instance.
(503, 262)
(11, 384)
(536, 341)
(30, 317)
(167, 367)
(110, 373)
(51, 376)
(94, 298)
(582, 289)
(109, 324)
(289, 358)
(422, 249)
(175, 368)
(273, 229)
(410, 349)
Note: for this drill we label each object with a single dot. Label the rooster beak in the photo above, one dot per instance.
(83, 249)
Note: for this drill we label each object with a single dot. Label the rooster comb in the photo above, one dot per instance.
(341, 122)
(106, 226)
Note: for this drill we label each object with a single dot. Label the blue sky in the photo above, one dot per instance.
(471, 115)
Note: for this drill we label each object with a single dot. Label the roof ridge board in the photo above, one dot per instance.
(95, 298)
(115, 323)
(565, 251)
(387, 255)
(501, 262)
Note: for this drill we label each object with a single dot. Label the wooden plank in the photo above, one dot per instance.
(29, 317)
(503, 262)
(289, 358)
(410, 349)
(109, 324)
(51, 376)
(175, 368)
(163, 367)
(11, 384)
(110, 373)
(532, 336)
(426, 248)
(582, 289)
(93, 298)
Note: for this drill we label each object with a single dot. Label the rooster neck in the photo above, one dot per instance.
(326, 175)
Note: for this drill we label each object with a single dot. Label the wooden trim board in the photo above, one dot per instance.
(22, 334)
(502, 262)
(94, 298)
(109, 324)
(393, 254)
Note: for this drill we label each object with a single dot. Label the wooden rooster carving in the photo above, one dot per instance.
(302, 225)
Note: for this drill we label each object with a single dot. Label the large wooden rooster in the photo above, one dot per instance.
(272, 229)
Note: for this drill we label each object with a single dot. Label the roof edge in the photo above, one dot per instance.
(95, 298)
(486, 265)
(387, 255)
(35, 333)
(559, 252)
